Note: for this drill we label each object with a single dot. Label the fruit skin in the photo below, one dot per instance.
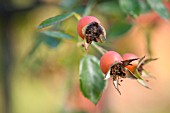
(85, 21)
(129, 56)
(108, 59)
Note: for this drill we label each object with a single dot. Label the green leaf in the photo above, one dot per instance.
(92, 80)
(57, 34)
(130, 7)
(158, 6)
(52, 42)
(118, 29)
(144, 6)
(55, 20)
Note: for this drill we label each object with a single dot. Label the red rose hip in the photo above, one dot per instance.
(108, 59)
(84, 21)
(90, 29)
(129, 56)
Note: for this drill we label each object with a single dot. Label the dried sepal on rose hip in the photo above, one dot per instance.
(137, 65)
(113, 66)
(90, 29)
(134, 64)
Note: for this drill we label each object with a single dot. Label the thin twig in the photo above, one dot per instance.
(99, 48)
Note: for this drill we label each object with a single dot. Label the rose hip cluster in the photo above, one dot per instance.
(128, 66)
(111, 63)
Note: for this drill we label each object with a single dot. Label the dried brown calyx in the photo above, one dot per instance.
(118, 71)
(143, 62)
(93, 32)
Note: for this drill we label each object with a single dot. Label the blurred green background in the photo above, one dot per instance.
(41, 75)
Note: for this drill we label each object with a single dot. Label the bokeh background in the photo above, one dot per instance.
(38, 77)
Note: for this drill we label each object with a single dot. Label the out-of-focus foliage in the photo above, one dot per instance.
(118, 29)
(55, 20)
(159, 7)
(130, 7)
